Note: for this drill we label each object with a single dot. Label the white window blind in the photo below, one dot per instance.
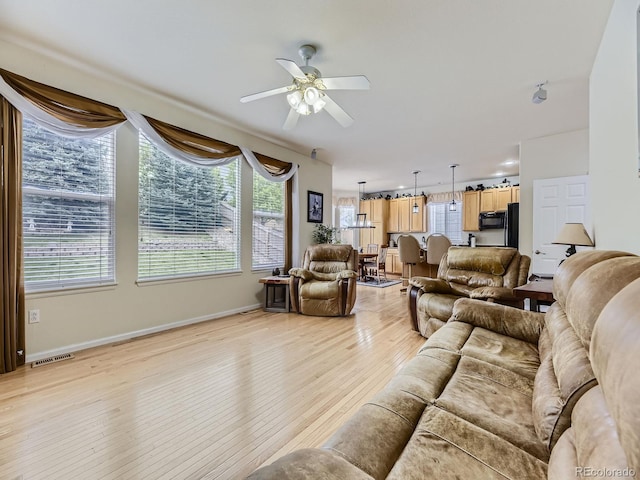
(67, 205)
(188, 218)
(442, 220)
(268, 223)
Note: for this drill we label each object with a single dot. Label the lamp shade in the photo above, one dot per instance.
(573, 234)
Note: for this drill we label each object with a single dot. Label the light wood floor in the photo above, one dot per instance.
(213, 400)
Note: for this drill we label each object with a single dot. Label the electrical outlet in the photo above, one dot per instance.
(34, 316)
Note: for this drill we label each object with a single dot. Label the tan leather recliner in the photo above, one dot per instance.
(483, 273)
(326, 283)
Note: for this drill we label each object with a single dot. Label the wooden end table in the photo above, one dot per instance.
(537, 291)
(276, 293)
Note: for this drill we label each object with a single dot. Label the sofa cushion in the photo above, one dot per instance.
(573, 267)
(494, 399)
(492, 261)
(566, 373)
(615, 358)
(445, 446)
(591, 445)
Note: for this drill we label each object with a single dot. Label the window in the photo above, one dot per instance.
(68, 205)
(442, 220)
(268, 223)
(188, 218)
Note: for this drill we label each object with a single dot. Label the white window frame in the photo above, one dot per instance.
(32, 253)
(451, 227)
(204, 247)
(267, 244)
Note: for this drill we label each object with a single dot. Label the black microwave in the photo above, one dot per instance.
(489, 220)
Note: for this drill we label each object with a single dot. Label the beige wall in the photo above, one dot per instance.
(614, 133)
(81, 318)
(561, 155)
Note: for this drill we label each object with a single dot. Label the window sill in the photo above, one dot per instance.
(75, 290)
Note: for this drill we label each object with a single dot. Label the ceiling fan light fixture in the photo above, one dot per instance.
(318, 105)
(311, 95)
(303, 109)
(294, 98)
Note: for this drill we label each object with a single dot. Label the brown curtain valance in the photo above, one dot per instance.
(65, 106)
(273, 166)
(193, 143)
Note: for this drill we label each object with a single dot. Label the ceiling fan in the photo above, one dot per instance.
(308, 92)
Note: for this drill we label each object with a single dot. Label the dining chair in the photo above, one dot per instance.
(380, 263)
(372, 248)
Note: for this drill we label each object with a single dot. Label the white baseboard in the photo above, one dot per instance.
(33, 357)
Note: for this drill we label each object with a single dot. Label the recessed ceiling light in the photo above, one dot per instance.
(401, 186)
(509, 162)
(498, 174)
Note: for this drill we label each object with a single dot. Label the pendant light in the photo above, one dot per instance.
(452, 206)
(361, 218)
(416, 209)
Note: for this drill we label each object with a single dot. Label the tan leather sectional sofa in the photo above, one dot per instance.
(502, 393)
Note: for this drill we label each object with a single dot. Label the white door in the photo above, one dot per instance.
(557, 201)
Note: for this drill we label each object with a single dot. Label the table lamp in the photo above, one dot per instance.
(573, 234)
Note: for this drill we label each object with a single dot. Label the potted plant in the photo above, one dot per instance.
(325, 234)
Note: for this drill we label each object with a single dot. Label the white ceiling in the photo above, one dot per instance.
(451, 80)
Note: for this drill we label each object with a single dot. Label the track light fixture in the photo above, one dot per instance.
(540, 95)
(314, 154)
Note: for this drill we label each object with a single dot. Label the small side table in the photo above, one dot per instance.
(276, 294)
(537, 291)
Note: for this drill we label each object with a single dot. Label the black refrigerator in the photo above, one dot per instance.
(511, 225)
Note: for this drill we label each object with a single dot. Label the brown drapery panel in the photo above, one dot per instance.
(273, 166)
(65, 106)
(288, 224)
(11, 280)
(193, 143)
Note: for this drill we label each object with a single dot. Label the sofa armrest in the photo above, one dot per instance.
(513, 322)
(430, 285)
(493, 293)
(305, 275)
(344, 274)
(310, 463)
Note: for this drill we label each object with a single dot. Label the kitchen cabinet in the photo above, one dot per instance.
(377, 211)
(470, 211)
(515, 194)
(401, 218)
(495, 199)
(418, 220)
(393, 224)
(404, 214)
(393, 263)
(502, 198)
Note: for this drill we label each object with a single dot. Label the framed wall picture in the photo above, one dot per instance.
(314, 207)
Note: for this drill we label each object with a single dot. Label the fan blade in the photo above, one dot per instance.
(268, 93)
(292, 120)
(291, 67)
(355, 82)
(337, 112)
